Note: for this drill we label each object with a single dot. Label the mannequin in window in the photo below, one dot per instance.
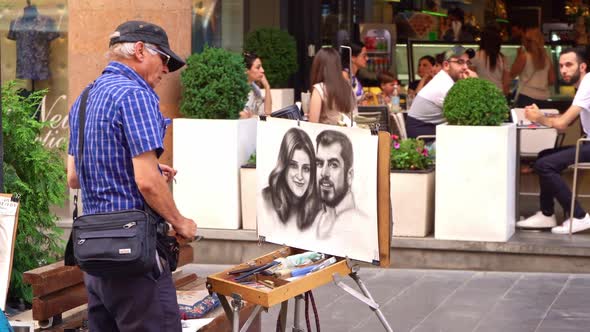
(33, 33)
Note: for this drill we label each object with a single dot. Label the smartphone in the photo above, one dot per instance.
(346, 58)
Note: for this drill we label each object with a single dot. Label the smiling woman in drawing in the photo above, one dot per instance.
(291, 190)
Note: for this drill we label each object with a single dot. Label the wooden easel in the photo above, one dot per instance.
(218, 283)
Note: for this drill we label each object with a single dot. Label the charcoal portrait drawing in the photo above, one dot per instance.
(291, 190)
(317, 188)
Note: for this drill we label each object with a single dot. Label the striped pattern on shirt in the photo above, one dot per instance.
(123, 120)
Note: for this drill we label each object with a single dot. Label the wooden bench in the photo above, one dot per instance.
(58, 288)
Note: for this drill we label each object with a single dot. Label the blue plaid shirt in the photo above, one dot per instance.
(123, 120)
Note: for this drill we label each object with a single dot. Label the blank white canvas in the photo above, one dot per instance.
(7, 222)
(356, 237)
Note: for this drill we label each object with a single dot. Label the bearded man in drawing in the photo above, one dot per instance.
(335, 173)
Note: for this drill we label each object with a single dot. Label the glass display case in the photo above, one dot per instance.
(407, 56)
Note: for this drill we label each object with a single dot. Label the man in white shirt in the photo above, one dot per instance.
(573, 66)
(426, 110)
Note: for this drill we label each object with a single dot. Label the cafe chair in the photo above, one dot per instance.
(399, 124)
(576, 166)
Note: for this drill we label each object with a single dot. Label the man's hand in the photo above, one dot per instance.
(186, 229)
(532, 113)
(168, 172)
(468, 73)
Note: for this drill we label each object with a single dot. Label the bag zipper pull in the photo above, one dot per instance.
(129, 225)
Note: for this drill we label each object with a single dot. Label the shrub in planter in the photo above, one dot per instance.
(412, 187)
(410, 154)
(215, 85)
(36, 173)
(475, 165)
(475, 102)
(277, 51)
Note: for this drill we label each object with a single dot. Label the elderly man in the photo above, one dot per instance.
(124, 134)
(573, 66)
(426, 110)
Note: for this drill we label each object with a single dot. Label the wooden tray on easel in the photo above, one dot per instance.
(223, 284)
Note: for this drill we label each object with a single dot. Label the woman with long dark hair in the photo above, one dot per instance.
(332, 101)
(489, 63)
(292, 191)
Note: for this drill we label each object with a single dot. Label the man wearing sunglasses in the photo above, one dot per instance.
(426, 110)
(123, 139)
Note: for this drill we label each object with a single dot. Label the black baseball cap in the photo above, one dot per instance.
(134, 31)
(457, 51)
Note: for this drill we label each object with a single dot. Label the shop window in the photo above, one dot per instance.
(34, 53)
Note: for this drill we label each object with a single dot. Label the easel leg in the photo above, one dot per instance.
(283, 316)
(376, 310)
(365, 297)
(297, 316)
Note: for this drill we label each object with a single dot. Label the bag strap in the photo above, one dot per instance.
(69, 259)
(81, 127)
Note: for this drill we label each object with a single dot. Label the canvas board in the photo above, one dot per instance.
(330, 207)
(8, 213)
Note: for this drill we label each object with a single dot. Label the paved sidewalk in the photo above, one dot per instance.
(453, 301)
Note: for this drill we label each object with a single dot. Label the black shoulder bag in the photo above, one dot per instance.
(114, 244)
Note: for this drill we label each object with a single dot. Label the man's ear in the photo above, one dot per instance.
(584, 67)
(139, 51)
(349, 176)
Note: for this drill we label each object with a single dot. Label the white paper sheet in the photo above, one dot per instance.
(7, 221)
(193, 325)
(346, 222)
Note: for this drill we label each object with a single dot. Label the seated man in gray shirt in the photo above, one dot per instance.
(426, 110)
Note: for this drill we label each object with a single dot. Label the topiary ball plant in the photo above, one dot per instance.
(277, 51)
(215, 85)
(475, 102)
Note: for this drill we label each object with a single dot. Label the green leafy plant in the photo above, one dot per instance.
(252, 160)
(38, 175)
(475, 102)
(410, 154)
(215, 85)
(277, 51)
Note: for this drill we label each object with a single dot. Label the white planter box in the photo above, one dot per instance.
(475, 182)
(208, 155)
(412, 202)
(248, 197)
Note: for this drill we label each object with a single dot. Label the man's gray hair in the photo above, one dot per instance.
(125, 50)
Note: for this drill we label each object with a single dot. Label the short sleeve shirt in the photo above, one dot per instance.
(32, 37)
(123, 120)
(582, 99)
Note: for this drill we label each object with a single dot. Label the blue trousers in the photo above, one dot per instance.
(549, 165)
(144, 303)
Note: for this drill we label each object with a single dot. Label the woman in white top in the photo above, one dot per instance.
(256, 76)
(534, 69)
(489, 63)
(332, 100)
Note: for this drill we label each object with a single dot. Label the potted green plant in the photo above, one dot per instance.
(475, 165)
(38, 174)
(210, 145)
(248, 193)
(412, 187)
(278, 52)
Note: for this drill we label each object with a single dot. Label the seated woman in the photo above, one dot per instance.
(425, 71)
(256, 76)
(292, 193)
(332, 101)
